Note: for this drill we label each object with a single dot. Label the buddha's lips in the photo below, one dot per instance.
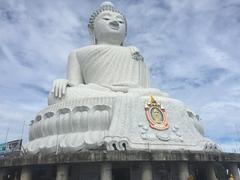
(114, 25)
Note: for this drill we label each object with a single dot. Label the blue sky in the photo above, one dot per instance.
(191, 46)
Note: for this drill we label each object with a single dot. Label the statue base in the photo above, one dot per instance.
(115, 123)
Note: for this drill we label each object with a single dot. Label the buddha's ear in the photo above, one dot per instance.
(94, 40)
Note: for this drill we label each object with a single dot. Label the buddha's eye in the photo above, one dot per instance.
(121, 22)
(105, 18)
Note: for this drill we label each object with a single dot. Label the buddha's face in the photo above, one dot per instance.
(109, 28)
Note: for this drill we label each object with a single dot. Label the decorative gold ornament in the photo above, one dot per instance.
(156, 115)
(190, 177)
(231, 177)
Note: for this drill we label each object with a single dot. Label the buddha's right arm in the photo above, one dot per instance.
(74, 76)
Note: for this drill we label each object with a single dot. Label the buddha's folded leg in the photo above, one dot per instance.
(82, 91)
(147, 92)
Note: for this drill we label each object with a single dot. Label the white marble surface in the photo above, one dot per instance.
(102, 101)
(118, 123)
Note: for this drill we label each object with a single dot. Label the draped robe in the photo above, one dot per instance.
(110, 65)
(105, 70)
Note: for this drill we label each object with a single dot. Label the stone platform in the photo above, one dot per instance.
(104, 165)
(118, 123)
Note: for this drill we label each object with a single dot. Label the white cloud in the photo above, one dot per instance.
(233, 147)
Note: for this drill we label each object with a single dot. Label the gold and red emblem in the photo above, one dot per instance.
(156, 115)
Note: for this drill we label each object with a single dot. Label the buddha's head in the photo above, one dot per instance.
(107, 25)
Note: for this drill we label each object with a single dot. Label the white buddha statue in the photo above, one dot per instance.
(104, 102)
(106, 66)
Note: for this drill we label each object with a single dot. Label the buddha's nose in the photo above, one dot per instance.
(114, 24)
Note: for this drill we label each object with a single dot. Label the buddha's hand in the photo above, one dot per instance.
(59, 87)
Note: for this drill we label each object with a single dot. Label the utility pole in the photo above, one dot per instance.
(6, 135)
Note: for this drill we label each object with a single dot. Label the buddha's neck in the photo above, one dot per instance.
(112, 42)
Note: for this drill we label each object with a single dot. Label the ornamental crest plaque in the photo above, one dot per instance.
(156, 115)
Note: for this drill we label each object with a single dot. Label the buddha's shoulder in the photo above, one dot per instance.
(87, 49)
(133, 49)
(83, 49)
